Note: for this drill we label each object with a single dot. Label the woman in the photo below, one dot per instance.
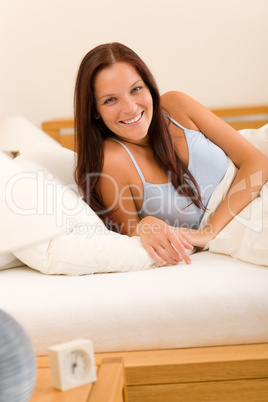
(149, 164)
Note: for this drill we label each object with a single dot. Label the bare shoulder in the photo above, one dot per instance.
(172, 99)
(111, 151)
(112, 177)
(180, 107)
(114, 158)
(113, 155)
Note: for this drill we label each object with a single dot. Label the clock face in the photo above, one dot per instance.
(76, 365)
(72, 364)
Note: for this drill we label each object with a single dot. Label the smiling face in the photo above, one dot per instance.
(124, 102)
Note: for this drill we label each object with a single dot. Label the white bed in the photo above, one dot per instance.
(157, 319)
(215, 301)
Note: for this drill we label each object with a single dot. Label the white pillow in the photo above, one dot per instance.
(8, 260)
(246, 235)
(18, 192)
(86, 246)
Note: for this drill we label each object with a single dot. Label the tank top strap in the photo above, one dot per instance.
(132, 158)
(174, 121)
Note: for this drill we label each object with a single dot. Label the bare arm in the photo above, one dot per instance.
(163, 243)
(252, 164)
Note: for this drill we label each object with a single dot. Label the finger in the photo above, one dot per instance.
(153, 254)
(161, 245)
(171, 250)
(164, 253)
(178, 244)
(186, 244)
(184, 255)
(184, 240)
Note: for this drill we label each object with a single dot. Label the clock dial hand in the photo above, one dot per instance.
(74, 365)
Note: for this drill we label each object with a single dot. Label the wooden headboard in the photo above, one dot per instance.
(244, 116)
(62, 129)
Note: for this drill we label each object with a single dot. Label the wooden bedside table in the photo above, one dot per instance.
(109, 387)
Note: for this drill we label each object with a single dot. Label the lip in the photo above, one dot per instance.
(135, 122)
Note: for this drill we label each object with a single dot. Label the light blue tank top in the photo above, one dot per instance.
(208, 165)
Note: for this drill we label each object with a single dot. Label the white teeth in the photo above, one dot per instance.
(132, 120)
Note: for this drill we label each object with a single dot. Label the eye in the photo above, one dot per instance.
(136, 89)
(109, 101)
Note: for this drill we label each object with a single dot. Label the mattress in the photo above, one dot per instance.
(216, 300)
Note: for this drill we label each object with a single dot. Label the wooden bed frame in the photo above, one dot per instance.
(213, 374)
(224, 373)
(238, 117)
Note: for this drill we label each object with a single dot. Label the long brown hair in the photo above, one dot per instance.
(90, 131)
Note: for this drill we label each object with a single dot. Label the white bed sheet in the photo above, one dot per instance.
(217, 300)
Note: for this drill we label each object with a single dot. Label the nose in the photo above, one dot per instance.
(128, 105)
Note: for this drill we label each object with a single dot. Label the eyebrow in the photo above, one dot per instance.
(111, 95)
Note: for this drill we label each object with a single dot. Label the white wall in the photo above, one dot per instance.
(216, 51)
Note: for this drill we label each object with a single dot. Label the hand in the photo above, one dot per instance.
(164, 243)
(198, 238)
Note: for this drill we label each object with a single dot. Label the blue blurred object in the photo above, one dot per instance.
(17, 361)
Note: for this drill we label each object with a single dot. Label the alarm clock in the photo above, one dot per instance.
(72, 364)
